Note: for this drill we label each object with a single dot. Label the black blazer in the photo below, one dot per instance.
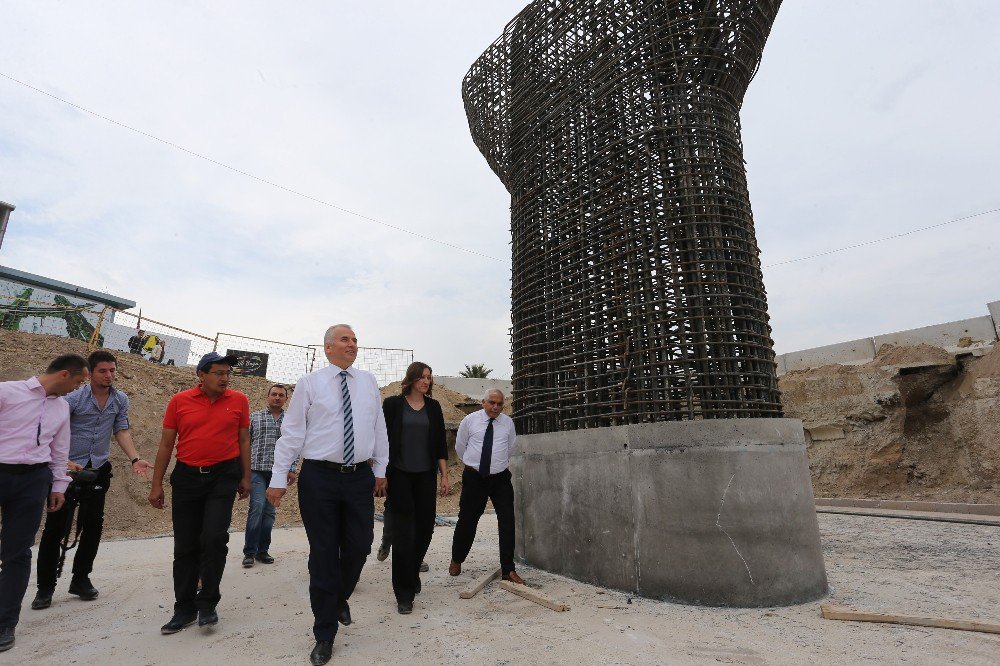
(392, 407)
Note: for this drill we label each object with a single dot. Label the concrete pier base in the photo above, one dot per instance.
(716, 512)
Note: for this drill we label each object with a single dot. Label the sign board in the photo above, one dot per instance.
(250, 363)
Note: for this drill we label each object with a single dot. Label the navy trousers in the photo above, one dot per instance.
(22, 502)
(338, 512)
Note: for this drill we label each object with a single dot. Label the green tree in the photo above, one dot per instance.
(477, 371)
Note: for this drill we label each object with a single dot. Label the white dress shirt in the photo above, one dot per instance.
(313, 426)
(469, 443)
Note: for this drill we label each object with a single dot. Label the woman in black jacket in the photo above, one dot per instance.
(417, 452)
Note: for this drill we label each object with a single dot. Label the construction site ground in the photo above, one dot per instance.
(879, 564)
(914, 424)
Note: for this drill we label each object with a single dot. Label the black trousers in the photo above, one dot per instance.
(22, 501)
(89, 520)
(202, 509)
(338, 512)
(476, 489)
(412, 504)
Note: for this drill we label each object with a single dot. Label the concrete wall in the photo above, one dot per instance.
(474, 388)
(705, 512)
(979, 331)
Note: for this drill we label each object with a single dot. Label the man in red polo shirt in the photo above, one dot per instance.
(211, 427)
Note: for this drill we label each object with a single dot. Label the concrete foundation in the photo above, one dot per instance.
(715, 512)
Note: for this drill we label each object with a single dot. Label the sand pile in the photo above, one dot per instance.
(149, 388)
(913, 423)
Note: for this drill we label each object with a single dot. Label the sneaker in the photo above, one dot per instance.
(264, 558)
(6, 638)
(43, 599)
(81, 587)
(178, 622)
(247, 561)
(207, 617)
(404, 608)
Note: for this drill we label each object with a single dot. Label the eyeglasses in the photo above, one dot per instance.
(221, 373)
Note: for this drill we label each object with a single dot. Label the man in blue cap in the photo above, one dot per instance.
(211, 426)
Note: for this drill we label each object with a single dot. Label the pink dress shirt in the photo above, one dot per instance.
(34, 428)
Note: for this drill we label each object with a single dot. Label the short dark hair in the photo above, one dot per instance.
(281, 386)
(74, 363)
(100, 356)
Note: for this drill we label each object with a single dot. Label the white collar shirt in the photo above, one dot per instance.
(313, 426)
(469, 442)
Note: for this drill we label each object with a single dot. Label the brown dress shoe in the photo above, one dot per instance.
(454, 568)
(513, 577)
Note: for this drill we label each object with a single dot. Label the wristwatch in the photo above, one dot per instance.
(134, 460)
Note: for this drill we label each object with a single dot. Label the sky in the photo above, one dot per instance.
(865, 120)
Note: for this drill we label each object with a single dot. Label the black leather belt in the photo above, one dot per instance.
(340, 467)
(16, 468)
(210, 468)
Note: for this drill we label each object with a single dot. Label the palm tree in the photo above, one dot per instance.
(477, 371)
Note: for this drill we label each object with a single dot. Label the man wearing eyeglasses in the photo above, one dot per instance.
(211, 427)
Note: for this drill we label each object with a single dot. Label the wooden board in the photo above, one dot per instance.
(531, 595)
(840, 613)
(479, 584)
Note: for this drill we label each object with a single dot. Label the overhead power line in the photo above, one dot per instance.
(243, 172)
(425, 237)
(884, 239)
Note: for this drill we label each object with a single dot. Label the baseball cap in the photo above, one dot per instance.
(215, 357)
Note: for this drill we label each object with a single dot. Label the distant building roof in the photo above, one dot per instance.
(65, 288)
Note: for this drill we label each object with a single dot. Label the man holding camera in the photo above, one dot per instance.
(34, 443)
(98, 413)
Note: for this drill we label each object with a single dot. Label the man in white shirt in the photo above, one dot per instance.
(335, 421)
(485, 442)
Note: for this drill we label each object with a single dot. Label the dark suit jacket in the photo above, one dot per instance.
(392, 407)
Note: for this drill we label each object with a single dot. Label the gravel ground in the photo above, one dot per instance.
(877, 564)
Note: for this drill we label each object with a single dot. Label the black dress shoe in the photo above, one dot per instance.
(424, 567)
(82, 588)
(321, 653)
(207, 618)
(178, 622)
(248, 561)
(6, 638)
(404, 608)
(43, 599)
(265, 558)
(344, 614)
(383, 552)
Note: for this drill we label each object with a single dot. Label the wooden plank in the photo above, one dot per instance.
(841, 613)
(531, 595)
(479, 584)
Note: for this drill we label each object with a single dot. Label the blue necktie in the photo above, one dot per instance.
(487, 457)
(348, 421)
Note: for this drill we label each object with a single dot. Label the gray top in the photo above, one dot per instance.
(415, 447)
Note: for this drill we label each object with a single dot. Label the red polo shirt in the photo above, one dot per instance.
(207, 432)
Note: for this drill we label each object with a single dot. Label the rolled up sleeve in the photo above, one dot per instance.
(293, 434)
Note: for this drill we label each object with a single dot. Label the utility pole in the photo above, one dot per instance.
(5, 210)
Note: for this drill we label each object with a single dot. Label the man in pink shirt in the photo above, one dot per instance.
(34, 449)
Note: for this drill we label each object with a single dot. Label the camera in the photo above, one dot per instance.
(85, 483)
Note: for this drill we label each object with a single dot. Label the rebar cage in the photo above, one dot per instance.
(637, 291)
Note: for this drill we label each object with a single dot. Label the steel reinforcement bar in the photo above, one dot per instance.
(637, 290)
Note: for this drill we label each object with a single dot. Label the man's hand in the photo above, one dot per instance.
(292, 477)
(72, 466)
(274, 496)
(380, 487)
(56, 500)
(142, 468)
(445, 486)
(244, 488)
(156, 496)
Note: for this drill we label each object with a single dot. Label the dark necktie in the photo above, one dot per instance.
(487, 457)
(348, 420)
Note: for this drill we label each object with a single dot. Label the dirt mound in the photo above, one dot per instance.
(913, 423)
(149, 388)
(449, 400)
